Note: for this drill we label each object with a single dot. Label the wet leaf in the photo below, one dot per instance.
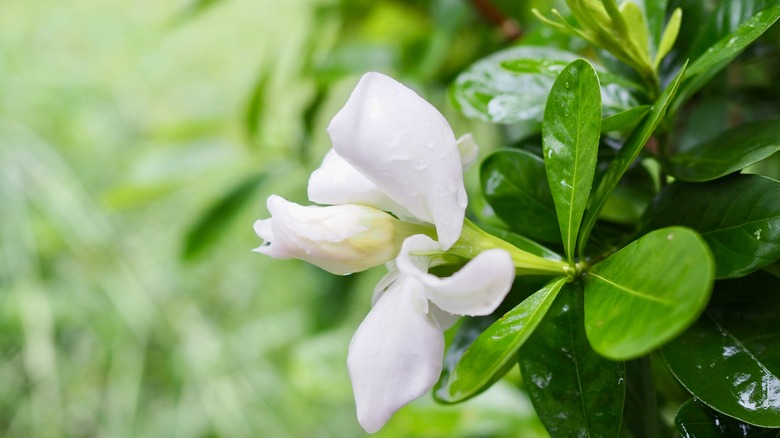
(570, 140)
(627, 154)
(738, 216)
(728, 152)
(642, 296)
(490, 355)
(513, 85)
(575, 391)
(515, 185)
(696, 420)
(729, 359)
(720, 54)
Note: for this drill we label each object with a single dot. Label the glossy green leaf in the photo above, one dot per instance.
(640, 413)
(630, 150)
(570, 141)
(624, 121)
(469, 329)
(738, 216)
(716, 20)
(729, 359)
(647, 293)
(724, 51)
(494, 350)
(513, 85)
(728, 47)
(515, 185)
(728, 152)
(696, 420)
(213, 223)
(574, 390)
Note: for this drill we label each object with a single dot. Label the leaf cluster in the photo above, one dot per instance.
(667, 212)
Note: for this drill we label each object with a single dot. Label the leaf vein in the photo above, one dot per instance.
(636, 293)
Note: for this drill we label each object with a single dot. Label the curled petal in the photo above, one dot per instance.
(445, 319)
(336, 182)
(340, 239)
(476, 289)
(404, 145)
(395, 355)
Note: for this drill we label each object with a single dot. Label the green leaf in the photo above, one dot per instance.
(626, 156)
(636, 28)
(515, 185)
(738, 216)
(494, 350)
(729, 359)
(521, 242)
(213, 223)
(728, 152)
(575, 391)
(640, 413)
(669, 37)
(724, 51)
(655, 12)
(696, 420)
(624, 121)
(469, 329)
(570, 141)
(513, 85)
(717, 19)
(647, 293)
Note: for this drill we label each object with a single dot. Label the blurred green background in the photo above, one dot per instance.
(138, 142)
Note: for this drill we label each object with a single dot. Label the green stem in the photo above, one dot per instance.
(474, 240)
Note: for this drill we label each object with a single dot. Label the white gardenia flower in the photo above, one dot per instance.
(340, 239)
(396, 354)
(394, 151)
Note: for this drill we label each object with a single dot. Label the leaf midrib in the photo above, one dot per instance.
(630, 291)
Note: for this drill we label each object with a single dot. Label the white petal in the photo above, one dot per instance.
(395, 356)
(476, 289)
(405, 146)
(468, 150)
(336, 182)
(386, 282)
(340, 239)
(445, 319)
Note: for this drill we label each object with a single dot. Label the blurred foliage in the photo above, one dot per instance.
(137, 141)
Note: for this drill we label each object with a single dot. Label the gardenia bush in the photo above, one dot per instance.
(641, 244)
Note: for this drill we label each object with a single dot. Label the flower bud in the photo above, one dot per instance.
(340, 239)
